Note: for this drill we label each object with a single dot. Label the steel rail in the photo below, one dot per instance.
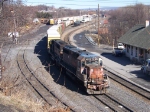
(113, 103)
(35, 83)
(128, 84)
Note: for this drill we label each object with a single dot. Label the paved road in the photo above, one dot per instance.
(120, 65)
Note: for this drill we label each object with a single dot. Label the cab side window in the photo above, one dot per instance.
(83, 63)
(84, 71)
(79, 64)
(146, 63)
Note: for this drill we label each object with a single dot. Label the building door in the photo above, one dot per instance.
(141, 53)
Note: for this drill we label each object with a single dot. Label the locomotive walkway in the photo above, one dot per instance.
(121, 66)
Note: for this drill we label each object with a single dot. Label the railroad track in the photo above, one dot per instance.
(132, 86)
(113, 104)
(36, 84)
(66, 37)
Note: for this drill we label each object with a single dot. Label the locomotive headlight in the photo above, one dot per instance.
(93, 80)
(61, 52)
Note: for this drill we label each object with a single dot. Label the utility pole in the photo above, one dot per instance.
(98, 27)
(0, 65)
(14, 33)
(80, 16)
(113, 43)
(14, 19)
(95, 19)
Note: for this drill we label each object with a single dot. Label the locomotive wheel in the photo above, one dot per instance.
(58, 66)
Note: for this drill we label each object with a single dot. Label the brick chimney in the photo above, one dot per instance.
(147, 23)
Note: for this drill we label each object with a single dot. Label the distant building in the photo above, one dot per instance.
(137, 42)
(103, 30)
(11, 34)
(36, 20)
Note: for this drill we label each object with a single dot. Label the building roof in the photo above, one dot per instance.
(138, 36)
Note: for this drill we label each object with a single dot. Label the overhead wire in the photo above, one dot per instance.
(78, 3)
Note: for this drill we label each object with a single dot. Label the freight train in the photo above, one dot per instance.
(81, 65)
(67, 20)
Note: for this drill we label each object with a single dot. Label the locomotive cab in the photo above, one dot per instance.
(96, 79)
(91, 70)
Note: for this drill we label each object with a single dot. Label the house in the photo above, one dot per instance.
(137, 42)
(36, 20)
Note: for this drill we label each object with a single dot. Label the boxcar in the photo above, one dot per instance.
(52, 21)
(52, 35)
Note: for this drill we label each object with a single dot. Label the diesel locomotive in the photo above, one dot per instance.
(80, 65)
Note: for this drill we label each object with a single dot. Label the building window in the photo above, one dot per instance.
(136, 52)
(141, 53)
(127, 49)
(132, 50)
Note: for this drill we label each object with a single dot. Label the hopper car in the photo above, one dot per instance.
(80, 65)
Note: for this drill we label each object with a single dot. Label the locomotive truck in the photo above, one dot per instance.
(80, 65)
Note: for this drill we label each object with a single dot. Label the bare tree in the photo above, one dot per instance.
(122, 19)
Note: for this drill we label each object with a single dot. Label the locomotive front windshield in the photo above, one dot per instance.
(96, 61)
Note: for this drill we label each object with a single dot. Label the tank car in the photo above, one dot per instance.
(81, 65)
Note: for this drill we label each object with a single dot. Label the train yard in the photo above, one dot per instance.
(49, 83)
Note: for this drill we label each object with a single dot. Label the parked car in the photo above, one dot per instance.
(76, 23)
(120, 46)
(118, 52)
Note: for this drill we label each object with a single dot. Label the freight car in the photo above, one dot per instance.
(54, 32)
(44, 20)
(80, 65)
(51, 22)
